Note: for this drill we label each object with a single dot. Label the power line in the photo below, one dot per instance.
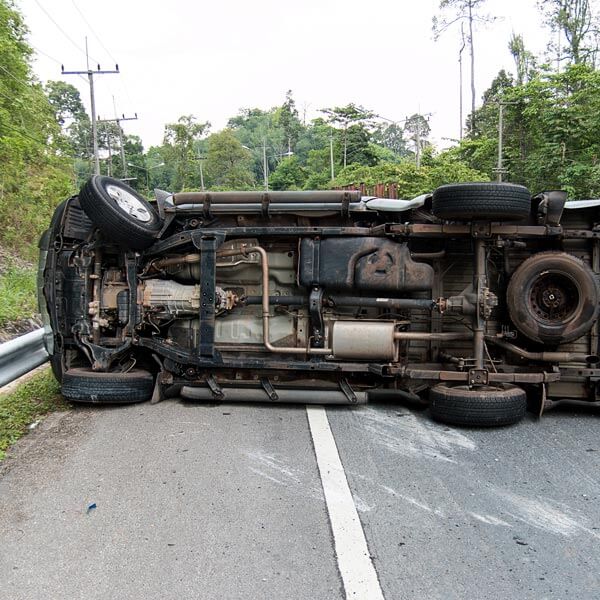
(93, 32)
(22, 82)
(44, 53)
(108, 52)
(55, 60)
(75, 44)
(23, 133)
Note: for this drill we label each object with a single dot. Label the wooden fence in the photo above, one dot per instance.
(381, 190)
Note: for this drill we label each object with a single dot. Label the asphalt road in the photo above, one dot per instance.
(227, 501)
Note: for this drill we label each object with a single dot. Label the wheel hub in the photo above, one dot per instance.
(554, 297)
(129, 204)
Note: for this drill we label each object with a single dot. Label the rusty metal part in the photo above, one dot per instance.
(478, 377)
(424, 335)
(364, 340)
(326, 196)
(432, 374)
(195, 257)
(401, 303)
(94, 307)
(479, 317)
(428, 255)
(176, 260)
(484, 230)
(590, 359)
(266, 311)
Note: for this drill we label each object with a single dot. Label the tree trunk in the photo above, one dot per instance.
(471, 47)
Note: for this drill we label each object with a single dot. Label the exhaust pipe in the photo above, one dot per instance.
(590, 359)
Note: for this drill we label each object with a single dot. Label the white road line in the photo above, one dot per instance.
(356, 568)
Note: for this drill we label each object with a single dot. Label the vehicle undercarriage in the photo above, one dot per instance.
(476, 296)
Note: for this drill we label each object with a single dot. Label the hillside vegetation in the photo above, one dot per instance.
(551, 132)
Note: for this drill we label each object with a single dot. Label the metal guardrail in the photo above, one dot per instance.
(21, 355)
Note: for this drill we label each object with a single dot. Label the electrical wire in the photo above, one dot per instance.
(23, 133)
(53, 59)
(75, 44)
(22, 82)
(94, 33)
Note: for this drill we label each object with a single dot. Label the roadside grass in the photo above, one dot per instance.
(32, 399)
(17, 293)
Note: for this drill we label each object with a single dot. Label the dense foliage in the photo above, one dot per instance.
(35, 172)
(551, 132)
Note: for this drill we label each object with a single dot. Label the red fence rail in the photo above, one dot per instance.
(381, 190)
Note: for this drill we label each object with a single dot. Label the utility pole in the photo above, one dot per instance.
(90, 74)
(331, 155)
(118, 120)
(418, 144)
(460, 82)
(109, 151)
(265, 165)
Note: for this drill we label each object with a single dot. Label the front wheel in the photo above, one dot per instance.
(94, 387)
(122, 214)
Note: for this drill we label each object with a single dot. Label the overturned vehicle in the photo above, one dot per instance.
(476, 298)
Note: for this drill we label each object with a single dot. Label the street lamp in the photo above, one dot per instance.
(147, 170)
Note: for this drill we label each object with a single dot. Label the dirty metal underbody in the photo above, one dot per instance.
(326, 299)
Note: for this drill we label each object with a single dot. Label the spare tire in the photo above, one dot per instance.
(122, 214)
(482, 202)
(84, 385)
(484, 406)
(553, 298)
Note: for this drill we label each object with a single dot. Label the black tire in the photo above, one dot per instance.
(481, 202)
(94, 387)
(485, 406)
(56, 365)
(99, 199)
(553, 298)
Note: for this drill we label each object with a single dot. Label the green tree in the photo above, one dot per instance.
(410, 180)
(418, 130)
(71, 115)
(574, 21)
(35, 173)
(287, 119)
(179, 150)
(551, 132)
(391, 136)
(228, 163)
(346, 117)
(289, 175)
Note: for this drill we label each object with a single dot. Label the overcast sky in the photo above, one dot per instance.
(210, 59)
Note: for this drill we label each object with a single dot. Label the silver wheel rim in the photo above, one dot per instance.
(129, 204)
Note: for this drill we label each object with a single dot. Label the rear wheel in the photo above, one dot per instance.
(483, 406)
(481, 202)
(120, 212)
(87, 386)
(553, 298)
